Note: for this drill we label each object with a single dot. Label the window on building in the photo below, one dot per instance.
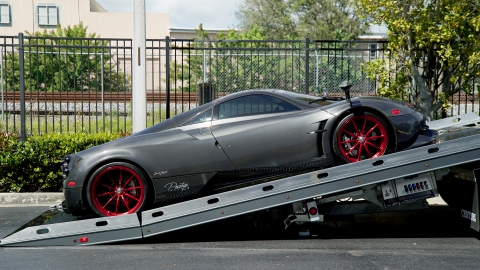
(4, 13)
(47, 14)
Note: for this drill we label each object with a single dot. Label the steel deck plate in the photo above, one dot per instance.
(455, 121)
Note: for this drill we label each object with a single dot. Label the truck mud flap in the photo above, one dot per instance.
(472, 213)
(56, 231)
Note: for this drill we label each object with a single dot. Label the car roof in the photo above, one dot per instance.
(289, 96)
(180, 119)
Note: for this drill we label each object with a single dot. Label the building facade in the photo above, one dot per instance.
(35, 15)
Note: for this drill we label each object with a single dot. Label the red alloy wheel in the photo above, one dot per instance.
(361, 137)
(117, 190)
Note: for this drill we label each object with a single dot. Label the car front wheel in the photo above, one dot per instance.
(116, 189)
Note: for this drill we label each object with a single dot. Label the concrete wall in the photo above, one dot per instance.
(120, 25)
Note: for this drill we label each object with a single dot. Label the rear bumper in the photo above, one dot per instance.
(426, 136)
(408, 129)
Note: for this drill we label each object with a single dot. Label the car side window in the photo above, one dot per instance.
(201, 117)
(253, 105)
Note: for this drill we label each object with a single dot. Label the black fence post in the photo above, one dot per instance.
(307, 66)
(21, 63)
(167, 79)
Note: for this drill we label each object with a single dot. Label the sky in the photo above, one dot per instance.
(185, 13)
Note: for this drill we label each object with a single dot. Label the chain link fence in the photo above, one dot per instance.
(300, 66)
(338, 61)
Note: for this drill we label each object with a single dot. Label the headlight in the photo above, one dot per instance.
(68, 163)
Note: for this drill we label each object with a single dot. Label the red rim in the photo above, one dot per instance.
(117, 190)
(362, 137)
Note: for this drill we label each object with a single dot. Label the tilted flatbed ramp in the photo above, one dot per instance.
(354, 176)
(454, 121)
(66, 233)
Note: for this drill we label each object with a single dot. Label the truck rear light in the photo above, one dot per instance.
(313, 211)
(83, 239)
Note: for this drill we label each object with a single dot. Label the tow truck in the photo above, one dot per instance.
(400, 181)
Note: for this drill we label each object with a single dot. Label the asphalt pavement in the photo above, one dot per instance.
(14, 217)
(434, 238)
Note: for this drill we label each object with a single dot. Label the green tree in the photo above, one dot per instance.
(65, 59)
(435, 47)
(293, 19)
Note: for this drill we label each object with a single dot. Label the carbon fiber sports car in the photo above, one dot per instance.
(242, 138)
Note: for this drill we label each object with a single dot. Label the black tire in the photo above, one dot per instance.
(116, 189)
(359, 136)
(456, 192)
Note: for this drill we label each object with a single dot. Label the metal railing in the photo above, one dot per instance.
(84, 85)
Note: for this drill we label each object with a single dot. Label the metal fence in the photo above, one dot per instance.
(84, 85)
(301, 66)
(64, 84)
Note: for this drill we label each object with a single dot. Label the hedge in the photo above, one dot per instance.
(34, 165)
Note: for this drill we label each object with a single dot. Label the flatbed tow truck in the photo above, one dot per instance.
(396, 182)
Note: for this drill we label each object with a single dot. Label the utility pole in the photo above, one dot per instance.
(139, 95)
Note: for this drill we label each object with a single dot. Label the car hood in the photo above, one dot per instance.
(138, 140)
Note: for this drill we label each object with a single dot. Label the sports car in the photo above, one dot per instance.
(236, 140)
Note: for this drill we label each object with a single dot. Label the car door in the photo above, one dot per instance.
(262, 130)
(204, 153)
(189, 157)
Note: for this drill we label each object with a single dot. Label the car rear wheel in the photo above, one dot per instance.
(116, 189)
(359, 136)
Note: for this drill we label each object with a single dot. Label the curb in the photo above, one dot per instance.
(55, 198)
(31, 199)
